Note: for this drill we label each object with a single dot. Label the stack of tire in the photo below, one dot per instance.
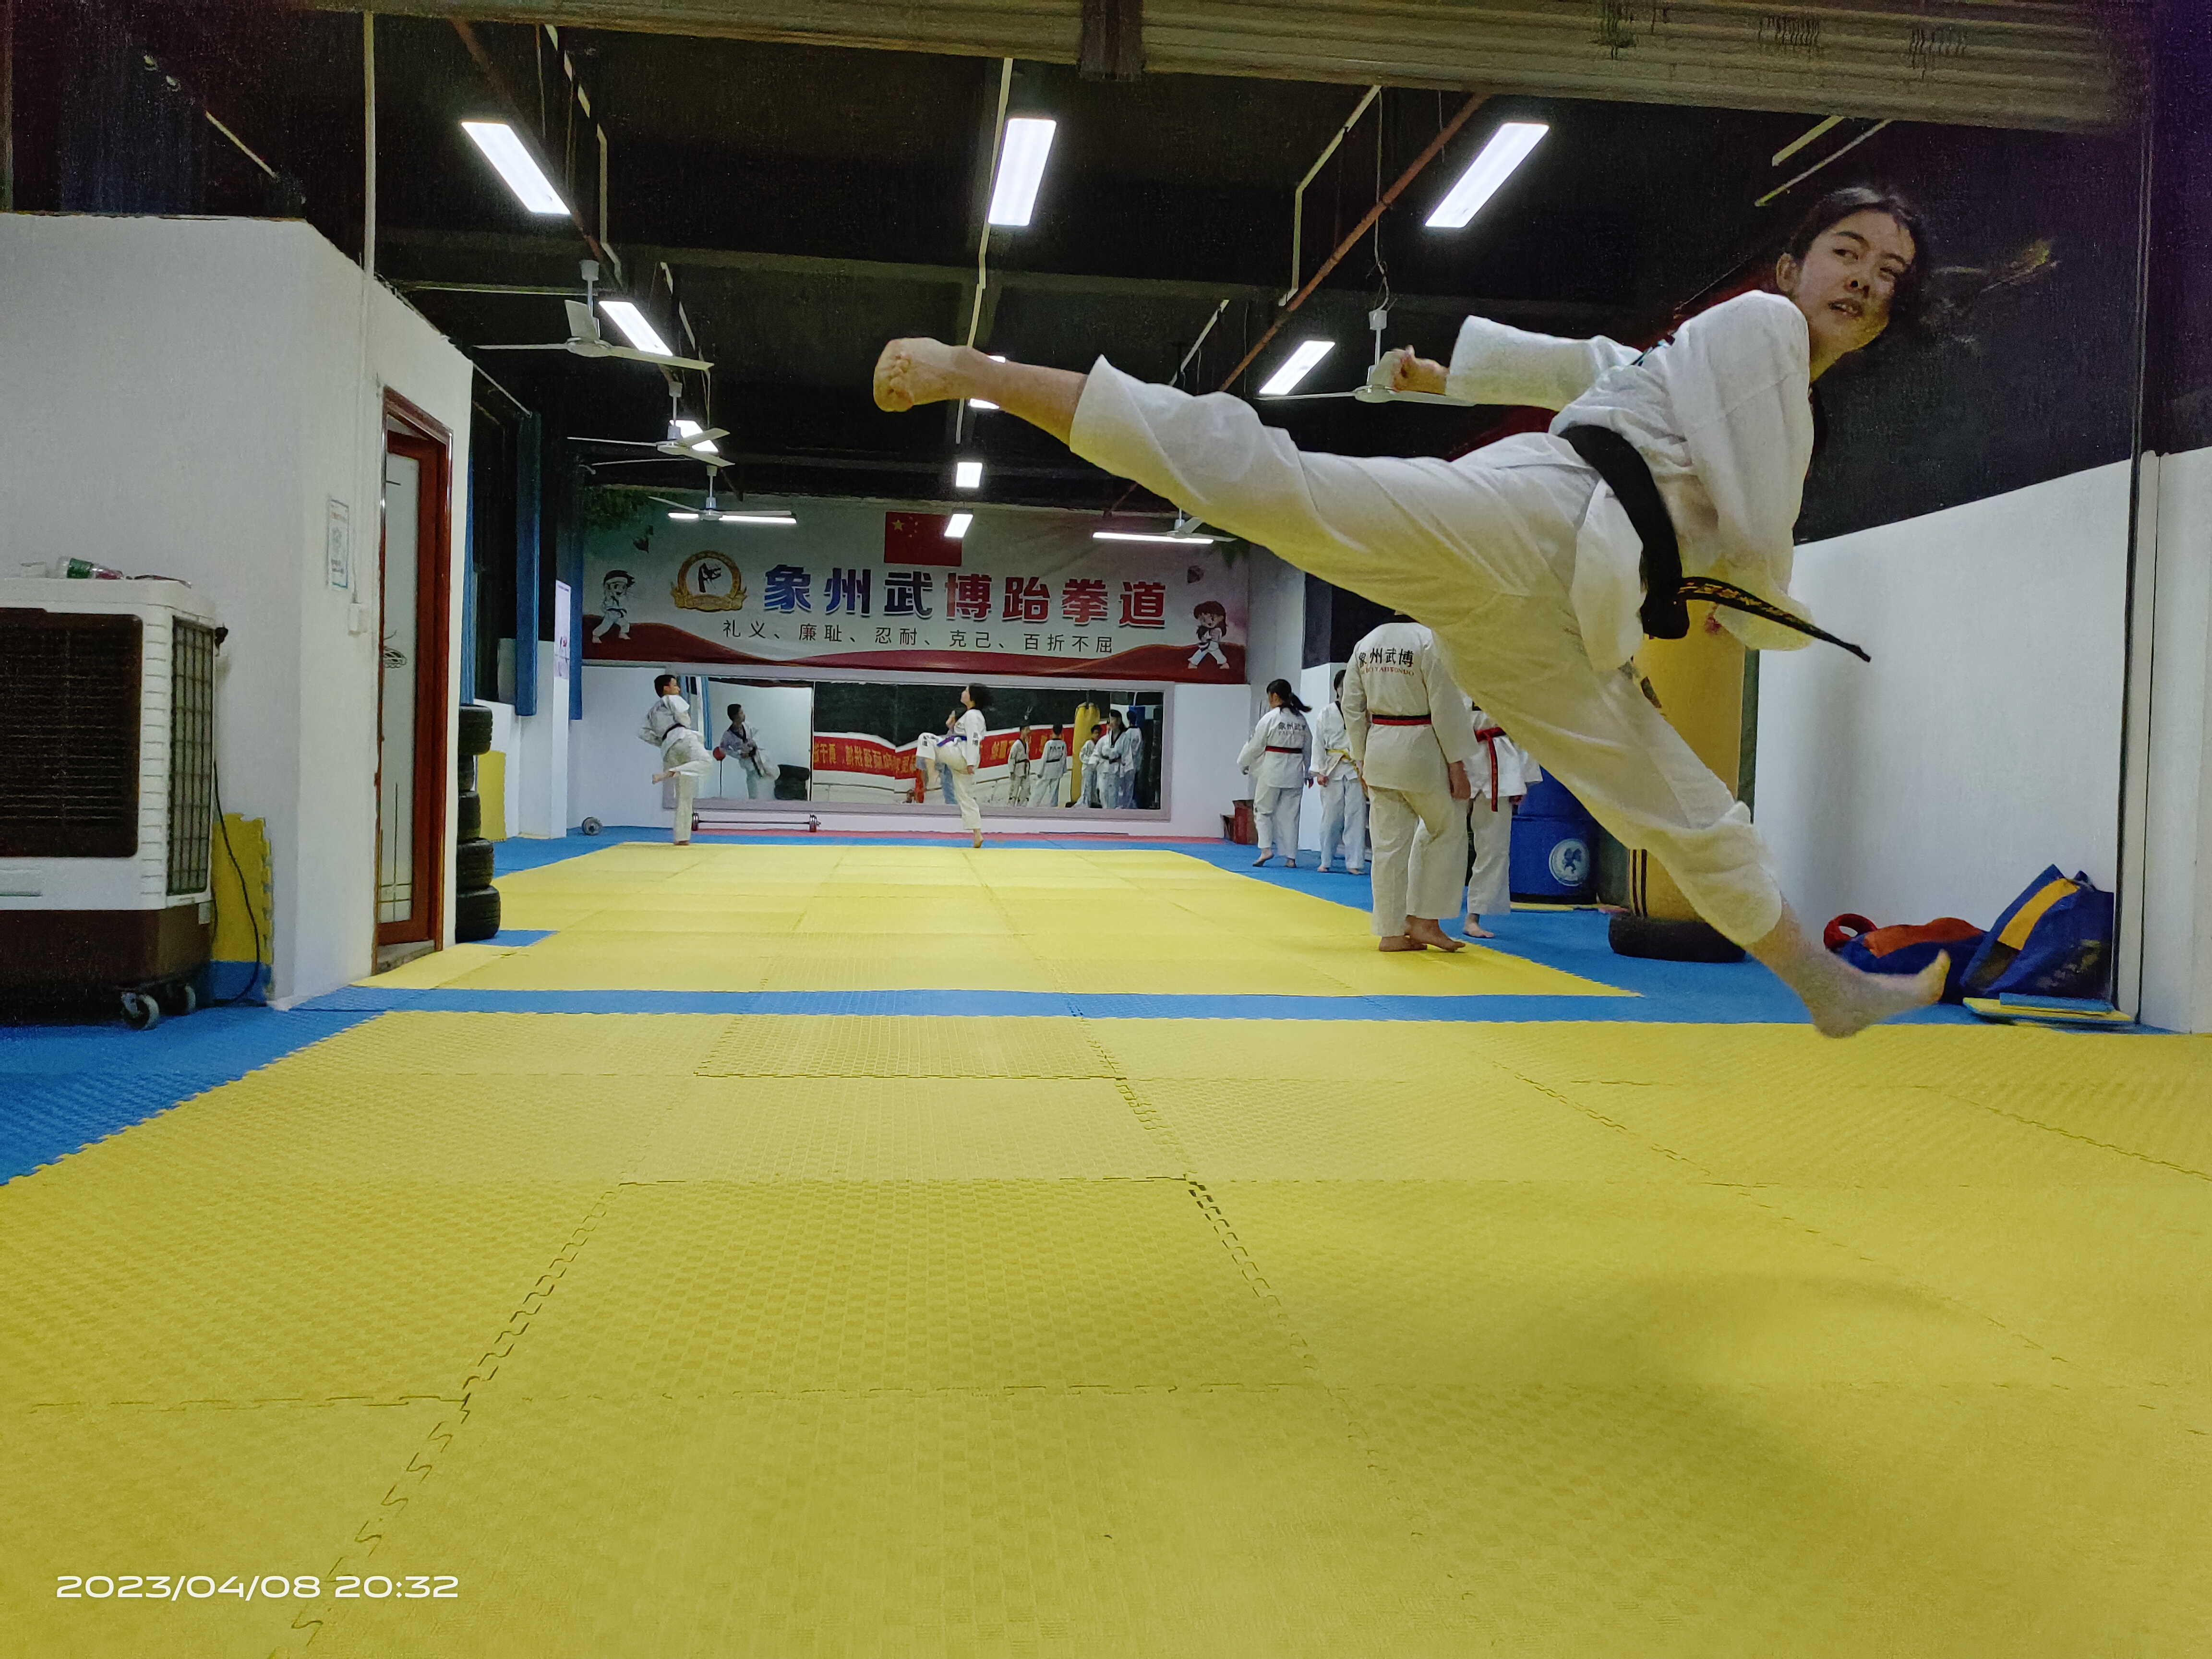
(476, 901)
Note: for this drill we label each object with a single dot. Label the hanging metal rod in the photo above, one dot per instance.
(1298, 196)
(1474, 102)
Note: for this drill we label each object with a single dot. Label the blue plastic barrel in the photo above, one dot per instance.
(1555, 847)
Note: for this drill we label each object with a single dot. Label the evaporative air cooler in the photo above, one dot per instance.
(106, 792)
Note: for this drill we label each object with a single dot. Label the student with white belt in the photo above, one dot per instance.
(1499, 777)
(1276, 757)
(959, 757)
(683, 753)
(1343, 796)
(1051, 773)
(1412, 733)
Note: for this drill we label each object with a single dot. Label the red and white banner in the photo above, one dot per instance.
(1026, 591)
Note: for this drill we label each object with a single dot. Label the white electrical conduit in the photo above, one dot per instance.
(1298, 196)
(1200, 341)
(983, 242)
(1805, 138)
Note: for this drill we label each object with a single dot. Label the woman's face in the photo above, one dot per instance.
(1847, 281)
(966, 700)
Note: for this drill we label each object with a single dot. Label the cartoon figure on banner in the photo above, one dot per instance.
(1212, 628)
(707, 581)
(613, 612)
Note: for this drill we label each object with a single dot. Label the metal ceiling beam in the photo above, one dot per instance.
(2039, 63)
(477, 245)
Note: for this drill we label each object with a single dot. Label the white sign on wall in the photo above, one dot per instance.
(337, 544)
(560, 629)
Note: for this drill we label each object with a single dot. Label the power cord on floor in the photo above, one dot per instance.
(252, 916)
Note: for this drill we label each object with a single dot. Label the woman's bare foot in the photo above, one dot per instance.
(1840, 998)
(1262, 860)
(1422, 931)
(662, 777)
(1398, 942)
(1476, 930)
(917, 371)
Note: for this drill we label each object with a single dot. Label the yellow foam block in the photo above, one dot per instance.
(603, 959)
(874, 1128)
(1584, 1284)
(1242, 1522)
(1242, 1052)
(464, 1044)
(438, 966)
(805, 1045)
(228, 1492)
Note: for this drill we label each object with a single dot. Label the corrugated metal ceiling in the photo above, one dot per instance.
(2039, 64)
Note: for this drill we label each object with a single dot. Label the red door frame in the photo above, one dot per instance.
(409, 431)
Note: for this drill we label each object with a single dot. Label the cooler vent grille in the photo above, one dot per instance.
(191, 756)
(68, 735)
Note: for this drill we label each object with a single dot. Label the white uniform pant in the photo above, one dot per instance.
(1275, 816)
(1092, 775)
(756, 785)
(951, 765)
(1420, 857)
(1482, 549)
(1490, 883)
(1344, 818)
(1050, 789)
(686, 758)
(1017, 785)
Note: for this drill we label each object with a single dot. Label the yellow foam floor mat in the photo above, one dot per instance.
(840, 1334)
(642, 917)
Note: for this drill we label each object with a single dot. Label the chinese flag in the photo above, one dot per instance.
(917, 538)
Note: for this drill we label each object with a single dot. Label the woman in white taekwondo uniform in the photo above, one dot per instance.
(1343, 796)
(1497, 777)
(961, 756)
(1277, 758)
(683, 753)
(1526, 557)
(1412, 733)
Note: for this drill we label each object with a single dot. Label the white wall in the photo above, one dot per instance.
(2177, 757)
(1983, 741)
(1278, 632)
(183, 396)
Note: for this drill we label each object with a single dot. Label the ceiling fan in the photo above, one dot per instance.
(713, 513)
(687, 440)
(584, 339)
(1368, 391)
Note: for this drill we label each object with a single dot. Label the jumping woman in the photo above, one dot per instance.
(961, 753)
(1529, 557)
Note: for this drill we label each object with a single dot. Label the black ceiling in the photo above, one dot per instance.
(811, 202)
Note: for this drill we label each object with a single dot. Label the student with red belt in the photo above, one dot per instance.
(1276, 757)
(1412, 732)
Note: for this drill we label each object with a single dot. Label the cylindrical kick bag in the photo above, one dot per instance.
(1697, 682)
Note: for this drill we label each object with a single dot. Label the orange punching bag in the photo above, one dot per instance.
(1697, 681)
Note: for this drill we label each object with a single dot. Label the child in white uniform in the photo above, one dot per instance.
(740, 744)
(1051, 773)
(1525, 559)
(683, 752)
(1411, 738)
(1017, 769)
(1092, 766)
(1343, 793)
(960, 756)
(1499, 776)
(1277, 756)
(1128, 760)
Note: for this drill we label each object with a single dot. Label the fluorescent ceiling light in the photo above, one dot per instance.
(1507, 149)
(967, 475)
(684, 516)
(980, 402)
(758, 518)
(507, 152)
(1297, 367)
(1021, 169)
(688, 429)
(956, 526)
(1138, 536)
(638, 331)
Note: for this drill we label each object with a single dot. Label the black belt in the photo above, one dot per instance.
(1398, 719)
(1276, 748)
(1665, 611)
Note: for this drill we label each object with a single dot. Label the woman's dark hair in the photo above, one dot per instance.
(1837, 205)
(1282, 689)
(663, 684)
(980, 696)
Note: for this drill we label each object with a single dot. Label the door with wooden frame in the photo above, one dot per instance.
(414, 604)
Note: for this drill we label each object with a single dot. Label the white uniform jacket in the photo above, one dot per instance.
(1054, 763)
(1129, 759)
(967, 736)
(668, 728)
(1279, 752)
(1516, 773)
(1332, 738)
(1404, 716)
(1722, 413)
